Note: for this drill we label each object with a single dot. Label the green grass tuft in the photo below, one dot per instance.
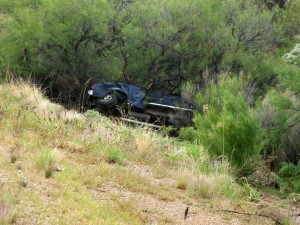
(45, 160)
(114, 155)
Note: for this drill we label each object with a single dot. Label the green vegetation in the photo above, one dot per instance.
(288, 178)
(226, 126)
(45, 161)
(143, 42)
(236, 61)
(114, 156)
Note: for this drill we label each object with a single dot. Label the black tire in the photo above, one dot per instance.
(109, 101)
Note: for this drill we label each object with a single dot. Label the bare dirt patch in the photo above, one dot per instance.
(181, 210)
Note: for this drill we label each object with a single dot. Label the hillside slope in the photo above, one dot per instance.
(61, 167)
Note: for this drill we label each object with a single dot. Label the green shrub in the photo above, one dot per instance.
(92, 114)
(280, 128)
(188, 134)
(114, 155)
(288, 178)
(227, 126)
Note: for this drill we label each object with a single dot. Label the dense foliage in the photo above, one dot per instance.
(63, 44)
(178, 47)
(226, 126)
(288, 177)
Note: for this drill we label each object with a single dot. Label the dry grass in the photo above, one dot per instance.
(7, 215)
(183, 178)
(145, 148)
(203, 186)
(213, 181)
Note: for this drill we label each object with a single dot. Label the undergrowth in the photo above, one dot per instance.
(288, 178)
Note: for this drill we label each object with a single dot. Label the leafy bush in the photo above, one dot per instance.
(278, 113)
(280, 130)
(289, 18)
(92, 114)
(227, 126)
(188, 134)
(288, 177)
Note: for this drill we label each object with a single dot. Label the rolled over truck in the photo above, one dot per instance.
(139, 105)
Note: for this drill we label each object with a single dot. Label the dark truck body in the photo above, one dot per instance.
(144, 105)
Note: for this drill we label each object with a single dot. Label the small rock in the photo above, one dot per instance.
(59, 169)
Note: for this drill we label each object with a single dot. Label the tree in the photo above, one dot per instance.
(158, 43)
(61, 43)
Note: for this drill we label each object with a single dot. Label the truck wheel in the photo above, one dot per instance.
(108, 101)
